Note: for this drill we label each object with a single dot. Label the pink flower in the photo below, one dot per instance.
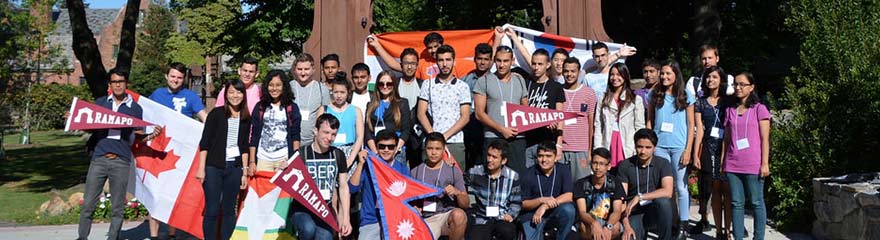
(133, 204)
(81, 202)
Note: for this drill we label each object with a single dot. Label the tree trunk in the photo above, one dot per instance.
(85, 47)
(707, 23)
(127, 34)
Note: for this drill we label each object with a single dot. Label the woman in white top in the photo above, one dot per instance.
(619, 114)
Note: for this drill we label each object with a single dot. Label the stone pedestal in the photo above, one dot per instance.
(847, 207)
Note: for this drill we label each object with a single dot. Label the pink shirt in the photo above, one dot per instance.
(253, 97)
(742, 128)
(576, 137)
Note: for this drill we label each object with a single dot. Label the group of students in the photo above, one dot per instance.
(619, 160)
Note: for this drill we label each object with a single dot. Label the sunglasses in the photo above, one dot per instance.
(384, 84)
(386, 146)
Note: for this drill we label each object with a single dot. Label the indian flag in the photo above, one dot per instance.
(264, 212)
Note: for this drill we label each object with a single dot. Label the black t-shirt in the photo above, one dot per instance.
(324, 167)
(646, 179)
(544, 95)
(599, 201)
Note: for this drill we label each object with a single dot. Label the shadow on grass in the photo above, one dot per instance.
(43, 168)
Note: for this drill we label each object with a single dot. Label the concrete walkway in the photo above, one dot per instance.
(140, 230)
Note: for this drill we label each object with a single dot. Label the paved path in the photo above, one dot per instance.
(140, 230)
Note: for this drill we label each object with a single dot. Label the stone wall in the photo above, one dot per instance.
(847, 207)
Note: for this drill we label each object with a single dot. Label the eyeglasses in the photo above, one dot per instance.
(384, 84)
(385, 146)
(742, 85)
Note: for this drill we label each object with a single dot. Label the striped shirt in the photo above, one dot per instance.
(503, 192)
(232, 135)
(576, 137)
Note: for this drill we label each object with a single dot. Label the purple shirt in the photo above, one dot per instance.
(745, 126)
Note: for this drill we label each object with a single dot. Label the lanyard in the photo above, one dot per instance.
(509, 89)
(552, 186)
(309, 99)
(647, 180)
(438, 174)
(746, 116)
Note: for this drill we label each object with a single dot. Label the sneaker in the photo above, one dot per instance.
(682, 235)
(700, 227)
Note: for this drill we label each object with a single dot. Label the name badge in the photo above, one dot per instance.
(304, 114)
(742, 143)
(666, 127)
(340, 139)
(492, 211)
(325, 193)
(615, 127)
(232, 152)
(378, 129)
(430, 206)
(570, 121)
(716, 132)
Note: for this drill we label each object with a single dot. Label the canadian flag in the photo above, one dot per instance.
(165, 168)
(394, 191)
(86, 115)
(525, 118)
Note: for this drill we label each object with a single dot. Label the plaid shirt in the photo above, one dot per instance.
(505, 193)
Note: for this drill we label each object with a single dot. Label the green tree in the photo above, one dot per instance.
(208, 21)
(150, 55)
(412, 15)
(185, 51)
(834, 96)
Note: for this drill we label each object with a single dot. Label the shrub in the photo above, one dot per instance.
(833, 95)
(48, 104)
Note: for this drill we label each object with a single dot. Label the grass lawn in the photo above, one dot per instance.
(55, 163)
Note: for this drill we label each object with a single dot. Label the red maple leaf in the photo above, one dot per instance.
(153, 158)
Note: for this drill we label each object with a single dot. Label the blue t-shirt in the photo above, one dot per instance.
(671, 124)
(184, 101)
(369, 212)
(535, 184)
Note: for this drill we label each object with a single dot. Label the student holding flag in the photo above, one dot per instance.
(444, 213)
(223, 146)
(112, 156)
(369, 229)
(326, 164)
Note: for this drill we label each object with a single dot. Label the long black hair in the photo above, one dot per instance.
(629, 97)
(286, 97)
(752, 99)
(658, 93)
(242, 107)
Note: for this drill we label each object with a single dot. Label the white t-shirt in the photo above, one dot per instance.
(273, 138)
(410, 91)
(690, 85)
(361, 101)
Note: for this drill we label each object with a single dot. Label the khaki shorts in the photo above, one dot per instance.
(438, 224)
(270, 166)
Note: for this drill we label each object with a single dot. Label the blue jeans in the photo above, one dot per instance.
(680, 177)
(752, 185)
(221, 191)
(562, 217)
(306, 227)
(658, 213)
